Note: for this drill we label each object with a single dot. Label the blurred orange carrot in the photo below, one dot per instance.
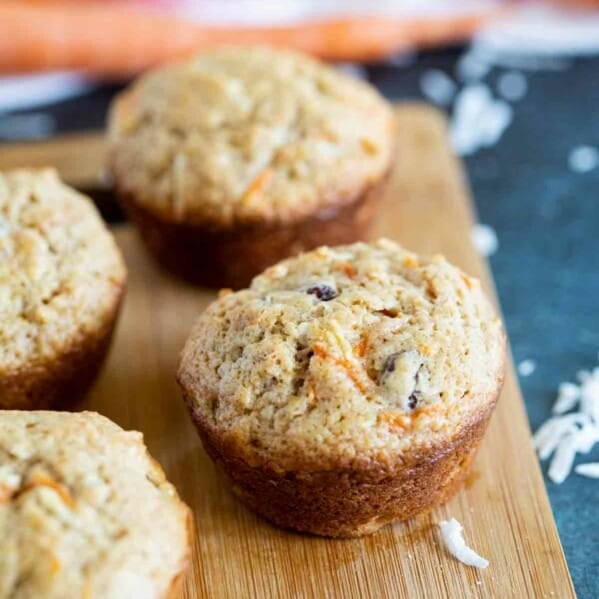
(113, 40)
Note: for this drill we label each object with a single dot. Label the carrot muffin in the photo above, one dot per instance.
(61, 282)
(244, 156)
(347, 387)
(85, 511)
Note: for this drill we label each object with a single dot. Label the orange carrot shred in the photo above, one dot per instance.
(321, 352)
(41, 480)
(127, 39)
(257, 185)
(348, 269)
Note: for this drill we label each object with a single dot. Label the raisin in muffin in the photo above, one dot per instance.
(85, 511)
(347, 387)
(61, 282)
(241, 157)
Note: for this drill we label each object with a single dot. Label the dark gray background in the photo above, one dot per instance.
(547, 265)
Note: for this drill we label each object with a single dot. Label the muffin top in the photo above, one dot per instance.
(61, 273)
(248, 135)
(84, 510)
(356, 352)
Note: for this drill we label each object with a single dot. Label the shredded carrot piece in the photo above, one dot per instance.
(360, 349)
(395, 420)
(257, 186)
(411, 262)
(5, 494)
(321, 352)
(123, 40)
(348, 269)
(41, 480)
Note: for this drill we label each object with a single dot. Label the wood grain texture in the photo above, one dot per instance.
(504, 506)
(79, 157)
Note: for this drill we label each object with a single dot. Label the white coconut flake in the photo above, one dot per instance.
(471, 67)
(589, 398)
(484, 239)
(451, 533)
(437, 87)
(583, 159)
(567, 434)
(551, 434)
(586, 438)
(495, 120)
(568, 395)
(478, 119)
(591, 469)
(526, 367)
(470, 105)
(512, 86)
(563, 460)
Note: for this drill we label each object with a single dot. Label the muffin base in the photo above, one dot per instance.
(231, 257)
(64, 380)
(349, 502)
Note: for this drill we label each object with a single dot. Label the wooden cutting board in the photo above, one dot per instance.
(503, 507)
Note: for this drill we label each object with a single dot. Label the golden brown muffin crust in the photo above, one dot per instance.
(61, 274)
(248, 135)
(347, 387)
(344, 356)
(85, 511)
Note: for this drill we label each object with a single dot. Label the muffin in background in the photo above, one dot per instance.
(346, 388)
(62, 278)
(85, 511)
(240, 157)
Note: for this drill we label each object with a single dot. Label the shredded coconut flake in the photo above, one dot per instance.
(471, 67)
(583, 159)
(567, 434)
(451, 533)
(512, 86)
(526, 367)
(478, 120)
(563, 459)
(591, 469)
(484, 239)
(437, 86)
(549, 436)
(568, 395)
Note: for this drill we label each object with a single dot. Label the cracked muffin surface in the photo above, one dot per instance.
(61, 273)
(244, 135)
(85, 511)
(355, 354)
